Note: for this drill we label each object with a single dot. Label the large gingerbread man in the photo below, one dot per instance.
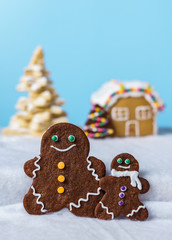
(122, 189)
(63, 174)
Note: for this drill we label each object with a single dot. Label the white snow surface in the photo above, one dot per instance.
(154, 156)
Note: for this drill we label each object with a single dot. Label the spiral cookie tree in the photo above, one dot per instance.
(98, 124)
(42, 107)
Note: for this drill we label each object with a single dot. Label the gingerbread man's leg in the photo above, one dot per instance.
(105, 211)
(139, 213)
(32, 202)
(85, 207)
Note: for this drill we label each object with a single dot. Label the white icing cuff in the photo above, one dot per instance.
(38, 195)
(135, 211)
(36, 165)
(92, 169)
(106, 208)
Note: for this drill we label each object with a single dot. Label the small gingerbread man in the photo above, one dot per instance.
(122, 189)
(63, 174)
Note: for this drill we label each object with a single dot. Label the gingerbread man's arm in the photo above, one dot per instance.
(29, 167)
(98, 165)
(145, 186)
(107, 182)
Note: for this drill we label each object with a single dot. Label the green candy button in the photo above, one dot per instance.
(119, 160)
(71, 138)
(55, 138)
(127, 161)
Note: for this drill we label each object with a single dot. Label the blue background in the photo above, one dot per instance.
(86, 43)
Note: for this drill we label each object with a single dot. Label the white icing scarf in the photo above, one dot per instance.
(132, 174)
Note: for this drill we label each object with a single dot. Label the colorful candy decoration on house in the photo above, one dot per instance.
(148, 90)
(129, 107)
(98, 125)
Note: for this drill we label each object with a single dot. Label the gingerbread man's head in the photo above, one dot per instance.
(64, 139)
(125, 162)
(125, 165)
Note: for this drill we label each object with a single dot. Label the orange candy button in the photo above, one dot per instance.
(60, 190)
(61, 178)
(61, 165)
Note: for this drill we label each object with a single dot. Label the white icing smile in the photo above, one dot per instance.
(127, 167)
(65, 149)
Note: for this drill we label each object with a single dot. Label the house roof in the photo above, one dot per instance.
(111, 91)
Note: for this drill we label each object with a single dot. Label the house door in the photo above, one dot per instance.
(132, 128)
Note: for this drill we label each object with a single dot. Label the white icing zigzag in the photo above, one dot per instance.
(36, 165)
(135, 211)
(92, 169)
(37, 200)
(84, 199)
(106, 208)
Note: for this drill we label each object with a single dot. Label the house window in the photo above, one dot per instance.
(120, 113)
(143, 112)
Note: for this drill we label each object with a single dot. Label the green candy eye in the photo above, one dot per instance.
(55, 138)
(71, 138)
(119, 160)
(127, 161)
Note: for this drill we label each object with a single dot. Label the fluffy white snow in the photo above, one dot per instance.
(154, 156)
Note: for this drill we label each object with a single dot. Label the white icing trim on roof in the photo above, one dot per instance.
(100, 97)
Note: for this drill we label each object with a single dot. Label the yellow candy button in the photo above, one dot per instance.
(86, 133)
(61, 165)
(61, 178)
(60, 190)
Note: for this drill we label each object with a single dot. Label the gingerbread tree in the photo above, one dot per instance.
(98, 124)
(42, 107)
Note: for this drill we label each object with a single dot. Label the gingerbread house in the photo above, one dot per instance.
(131, 110)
